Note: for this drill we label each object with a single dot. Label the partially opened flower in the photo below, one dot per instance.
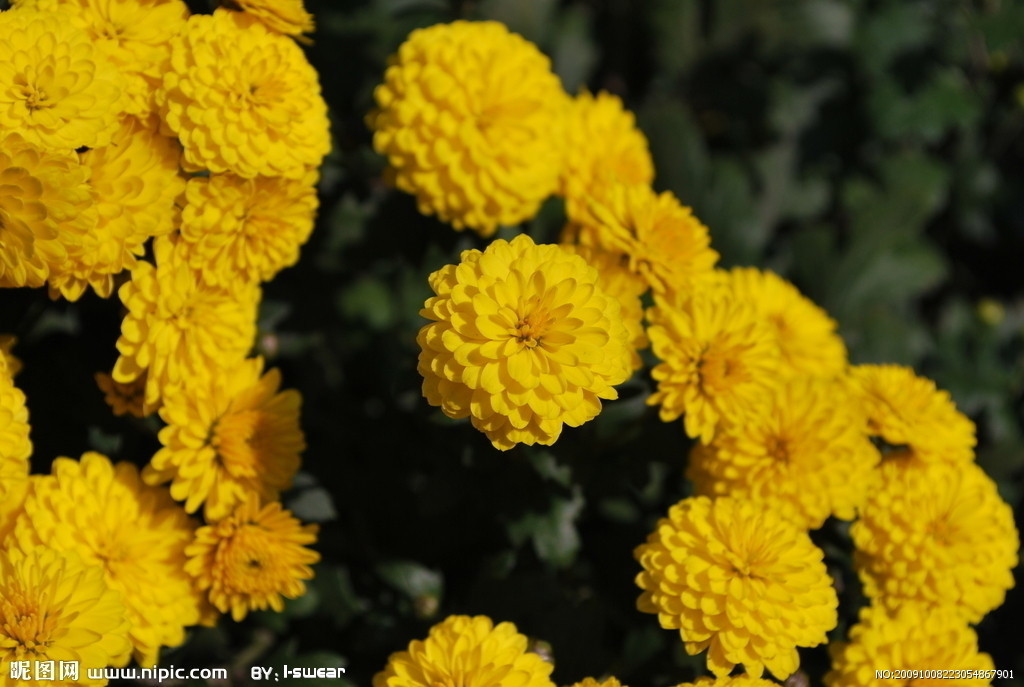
(128, 398)
(7, 358)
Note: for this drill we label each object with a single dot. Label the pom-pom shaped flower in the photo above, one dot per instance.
(134, 183)
(243, 100)
(53, 607)
(134, 35)
(235, 229)
(56, 87)
(135, 533)
(936, 534)
(177, 329)
(45, 208)
(909, 412)
(661, 240)
(229, 435)
(604, 146)
(523, 340)
(807, 337)
(124, 399)
(279, 16)
(729, 681)
(472, 121)
(737, 579)
(914, 638)
(15, 446)
(806, 452)
(253, 558)
(470, 652)
(719, 361)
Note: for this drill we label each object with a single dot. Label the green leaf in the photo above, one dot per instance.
(411, 578)
(553, 533)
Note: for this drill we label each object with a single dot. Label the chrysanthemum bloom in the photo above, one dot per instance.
(252, 558)
(937, 534)
(57, 89)
(470, 652)
(45, 208)
(229, 435)
(235, 229)
(615, 279)
(177, 329)
(279, 16)
(134, 35)
(738, 579)
(15, 446)
(604, 146)
(661, 240)
(243, 100)
(807, 336)
(805, 452)
(8, 360)
(591, 682)
(124, 399)
(914, 638)
(54, 607)
(523, 340)
(719, 360)
(135, 183)
(13, 490)
(472, 121)
(908, 411)
(136, 533)
(729, 681)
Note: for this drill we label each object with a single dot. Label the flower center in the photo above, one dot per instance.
(778, 448)
(717, 369)
(22, 620)
(247, 561)
(526, 333)
(240, 441)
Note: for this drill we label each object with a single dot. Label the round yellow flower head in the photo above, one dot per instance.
(57, 89)
(177, 329)
(661, 240)
(729, 681)
(135, 533)
(909, 412)
(719, 360)
(134, 35)
(243, 100)
(938, 534)
(914, 638)
(737, 579)
(252, 558)
(15, 445)
(805, 452)
(45, 208)
(806, 334)
(470, 652)
(54, 607)
(229, 434)
(523, 341)
(603, 146)
(135, 183)
(8, 360)
(472, 121)
(124, 399)
(279, 16)
(235, 229)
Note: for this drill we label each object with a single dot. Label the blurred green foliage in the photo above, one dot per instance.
(868, 150)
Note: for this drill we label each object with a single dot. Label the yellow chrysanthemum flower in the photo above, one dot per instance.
(243, 100)
(15, 445)
(909, 412)
(56, 87)
(135, 533)
(279, 16)
(661, 240)
(729, 681)
(8, 360)
(13, 490)
(229, 435)
(135, 183)
(134, 35)
(805, 452)
(252, 558)
(235, 229)
(124, 399)
(604, 146)
(54, 607)
(592, 682)
(806, 334)
(45, 208)
(737, 579)
(467, 651)
(177, 329)
(472, 121)
(914, 638)
(719, 361)
(523, 341)
(938, 534)
(615, 279)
